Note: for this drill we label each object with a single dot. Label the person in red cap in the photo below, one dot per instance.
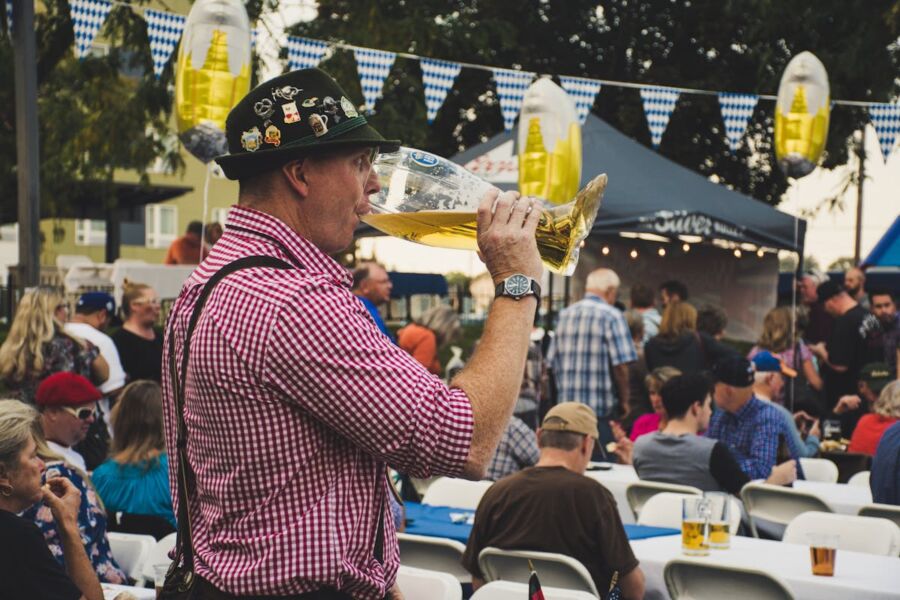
(68, 404)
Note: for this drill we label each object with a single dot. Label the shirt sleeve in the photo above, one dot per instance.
(38, 574)
(618, 338)
(325, 355)
(725, 470)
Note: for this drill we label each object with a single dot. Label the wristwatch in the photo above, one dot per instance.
(518, 286)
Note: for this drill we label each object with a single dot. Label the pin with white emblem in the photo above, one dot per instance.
(348, 107)
(310, 102)
(287, 92)
(251, 139)
(291, 114)
(319, 124)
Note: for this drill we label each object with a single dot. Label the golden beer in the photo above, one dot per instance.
(559, 232)
(694, 538)
(823, 560)
(719, 535)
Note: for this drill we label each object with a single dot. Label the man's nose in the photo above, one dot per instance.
(373, 186)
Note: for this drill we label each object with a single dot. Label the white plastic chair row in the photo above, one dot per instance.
(871, 535)
(508, 590)
(639, 492)
(555, 570)
(665, 510)
(458, 493)
(819, 469)
(860, 479)
(131, 551)
(433, 554)
(423, 584)
(693, 580)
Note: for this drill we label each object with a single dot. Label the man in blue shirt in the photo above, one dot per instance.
(751, 428)
(372, 286)
(885, 478)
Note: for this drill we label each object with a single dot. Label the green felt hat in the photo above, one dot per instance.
(291, 116)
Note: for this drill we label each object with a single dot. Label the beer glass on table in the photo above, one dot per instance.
(823, 553)
(695, 526)
(719, 519)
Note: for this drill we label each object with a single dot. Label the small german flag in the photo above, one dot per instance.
(534, 585)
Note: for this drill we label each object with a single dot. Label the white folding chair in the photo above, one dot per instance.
(640, 491)
(777, 504)
(458, 493)
(663, 510)
(131, 551)
(159, 555)
(706, 581)
(860, 479)
(555, 570)
(884, 511)
(872, 535)
(433, 554)
(427, 585)
(819, 469)
(508, 590)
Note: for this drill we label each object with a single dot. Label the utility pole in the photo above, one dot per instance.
(861, 151)
(27, 148)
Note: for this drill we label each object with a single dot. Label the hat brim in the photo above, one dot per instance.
(247, 164)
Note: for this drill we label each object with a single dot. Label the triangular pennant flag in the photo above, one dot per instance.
(164, 31)
(373, 67)
(736, 112)
(659, 103)
(254, 33)
(886, 119)
(88, 17)
(511, 88)
(437, 77)
(583, 92)
(304, 53)
(9, 17)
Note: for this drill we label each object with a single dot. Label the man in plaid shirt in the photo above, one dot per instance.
(591, 351)
(295, 403)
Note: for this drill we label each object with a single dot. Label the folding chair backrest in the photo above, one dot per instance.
(860, 479)
(131, 551)
(884, 511)
(819, 469)
(159, 555)
(554, 570)
(458, 493)
(705, 581)
(778, 504)
(872, 535)
(639, 492)
(433, 554)
(508, 590)
(433, 585)
(663, 510)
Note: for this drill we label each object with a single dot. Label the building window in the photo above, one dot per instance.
(161, 222)
(90, 232)
(218, 215)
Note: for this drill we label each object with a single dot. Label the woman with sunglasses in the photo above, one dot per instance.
(37, 346)
(66, 402)
(138, 342)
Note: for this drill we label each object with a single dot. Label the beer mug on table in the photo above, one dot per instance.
(719, 519)
(823, 552)
(695, 526)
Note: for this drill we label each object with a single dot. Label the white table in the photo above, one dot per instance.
(841, 497)
(856, 575)
(93, 275)
(111, 591)
(616, 480)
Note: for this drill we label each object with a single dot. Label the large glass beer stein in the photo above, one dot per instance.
(427, 199)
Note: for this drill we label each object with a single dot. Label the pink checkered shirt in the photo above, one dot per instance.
(295, 402)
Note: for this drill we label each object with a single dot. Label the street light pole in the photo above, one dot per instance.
(861, 151)
(27, 148)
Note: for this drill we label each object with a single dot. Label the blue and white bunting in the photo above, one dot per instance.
(583, 92)
(373, 67)
(304, 53)
(659, 102)
(886, 119)
(254, 33)
(511, 88)
(437, 77)
(736, 112)
(9, 17)
(164, 31)
(88, 16)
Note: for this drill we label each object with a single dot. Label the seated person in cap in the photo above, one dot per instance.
(93, 313)
(678, 455)
(67, 403)
(871, 427)
(752, 429)
(872, 379)
(553, 507)
(768, 384)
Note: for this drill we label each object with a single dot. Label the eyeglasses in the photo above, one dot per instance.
(84, 413)
(150, 301)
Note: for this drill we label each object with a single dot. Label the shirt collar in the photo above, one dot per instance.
(595, 298)
(310, 256)
(746, 409)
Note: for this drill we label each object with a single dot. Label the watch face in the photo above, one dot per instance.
(517, 285)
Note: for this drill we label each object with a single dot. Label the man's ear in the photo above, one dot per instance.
(295, 175)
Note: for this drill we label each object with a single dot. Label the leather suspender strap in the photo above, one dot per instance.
(185, 477)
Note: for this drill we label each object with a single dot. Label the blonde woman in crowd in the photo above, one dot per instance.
(37, 346)
(776, 338)
(433, 330)
(138, 342)
(678, 343)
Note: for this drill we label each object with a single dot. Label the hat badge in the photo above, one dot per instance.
(251, 139)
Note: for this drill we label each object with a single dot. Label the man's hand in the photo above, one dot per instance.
(783, 474)
(847, 403)
(64, 500)
(506, 235)
(815, 430)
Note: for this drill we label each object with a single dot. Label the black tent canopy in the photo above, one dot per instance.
(648, 193)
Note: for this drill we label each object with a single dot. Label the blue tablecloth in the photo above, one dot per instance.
(435, 521)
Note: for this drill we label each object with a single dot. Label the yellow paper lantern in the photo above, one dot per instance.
(212, 74)
(549, 144)
(801, 115)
